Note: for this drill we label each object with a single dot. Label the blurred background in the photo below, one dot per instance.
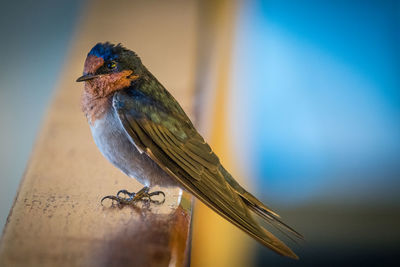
(301, 100)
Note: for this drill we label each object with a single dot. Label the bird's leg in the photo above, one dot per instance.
(142, 194)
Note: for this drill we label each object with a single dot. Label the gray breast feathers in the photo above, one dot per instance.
(115, 145)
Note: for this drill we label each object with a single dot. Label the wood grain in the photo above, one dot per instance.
(57, 219)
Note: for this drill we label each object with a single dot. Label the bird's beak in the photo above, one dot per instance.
(86, 77)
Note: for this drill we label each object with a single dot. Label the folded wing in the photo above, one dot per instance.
(168, 137)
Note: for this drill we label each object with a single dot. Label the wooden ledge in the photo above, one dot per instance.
(60, 230)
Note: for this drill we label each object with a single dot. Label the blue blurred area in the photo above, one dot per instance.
(316, 99)
(35, 36)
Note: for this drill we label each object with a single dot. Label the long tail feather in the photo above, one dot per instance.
(260, 209)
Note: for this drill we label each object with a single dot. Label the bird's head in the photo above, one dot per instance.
(110, 67)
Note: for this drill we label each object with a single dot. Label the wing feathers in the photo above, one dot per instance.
(184, 154)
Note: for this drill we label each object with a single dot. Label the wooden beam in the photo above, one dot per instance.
(57, 219)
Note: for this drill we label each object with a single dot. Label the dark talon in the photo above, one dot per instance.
(112, 198)
(157, 202)
(156, 193)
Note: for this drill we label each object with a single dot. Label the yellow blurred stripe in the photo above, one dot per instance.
(216, 242)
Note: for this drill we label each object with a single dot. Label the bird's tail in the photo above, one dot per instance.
(267, 214)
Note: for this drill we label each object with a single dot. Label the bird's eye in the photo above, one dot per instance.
(111, 65)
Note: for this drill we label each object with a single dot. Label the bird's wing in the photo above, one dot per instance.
(170, 139)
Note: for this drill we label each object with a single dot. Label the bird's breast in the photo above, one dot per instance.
(112, 141)
(95, 108)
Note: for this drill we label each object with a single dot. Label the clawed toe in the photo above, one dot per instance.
(118, 199)
(156, 193)
(126, 192)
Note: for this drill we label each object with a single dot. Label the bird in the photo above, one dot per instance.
(143, 131)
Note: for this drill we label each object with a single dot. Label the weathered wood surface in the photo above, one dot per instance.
(57, 219)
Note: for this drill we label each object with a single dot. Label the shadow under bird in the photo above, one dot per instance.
(140, 128)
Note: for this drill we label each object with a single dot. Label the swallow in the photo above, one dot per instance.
(142, 130)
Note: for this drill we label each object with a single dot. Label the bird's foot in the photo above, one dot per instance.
(142, 194)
